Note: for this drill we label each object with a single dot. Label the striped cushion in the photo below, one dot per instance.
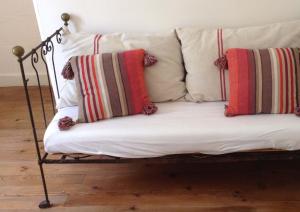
(111, 85)
(263, 81)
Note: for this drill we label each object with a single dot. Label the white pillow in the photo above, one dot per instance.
(200, 50)
(72, 45)
(165, 80)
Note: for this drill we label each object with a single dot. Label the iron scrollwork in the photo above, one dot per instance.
(58, 37)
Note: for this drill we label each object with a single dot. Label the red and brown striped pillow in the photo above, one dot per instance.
(263, 81)
(111, 85)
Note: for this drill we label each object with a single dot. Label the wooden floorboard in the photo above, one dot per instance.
(240, 187)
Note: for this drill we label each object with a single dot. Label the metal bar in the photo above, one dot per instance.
(19, 52)
(232, 157)
(45, 203)
(63, 157)
(44, 185)
(53, 66)
(25, 81)
(34, 60)
(44, 157)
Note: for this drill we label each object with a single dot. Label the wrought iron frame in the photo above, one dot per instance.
(46, 47)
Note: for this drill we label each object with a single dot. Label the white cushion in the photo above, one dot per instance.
(73, 44)
(200, 50)
(176, 128)
(165, 80)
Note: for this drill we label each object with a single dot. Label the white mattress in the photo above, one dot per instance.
(176, 128)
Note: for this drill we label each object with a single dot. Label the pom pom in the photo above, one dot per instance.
(221, 63)
(149, 109)
(226, 113)
(65, 123)
(149, 60)
(297, 111)
(67, 71)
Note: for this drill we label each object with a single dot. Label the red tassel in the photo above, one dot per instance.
(67, 71)
(149, 60)
(221, 63)
(226, 113)
(149, 109)
(297, 111)
(65, 123)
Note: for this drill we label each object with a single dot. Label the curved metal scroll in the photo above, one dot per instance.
(44, 50)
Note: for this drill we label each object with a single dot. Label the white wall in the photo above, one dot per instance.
(153, 15)
(17, 26)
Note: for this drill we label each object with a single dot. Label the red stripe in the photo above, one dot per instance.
(134, 70)
(292, 69)
(219, 53)
(77, 58)
(224, 85)
(286, 81)
(92, 89)
(97, 87)
(222, 80)
(234, 75)
(221, 40)
(130, 71)
(219, 43)
(95, 43)
(281, 80)
(243, 81)
(223, 70)
(252, 82)
(98, 43)
(86, 89)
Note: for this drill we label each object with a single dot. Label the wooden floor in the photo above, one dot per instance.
(240, 187)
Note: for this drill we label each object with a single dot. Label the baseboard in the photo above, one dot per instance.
(7, 80)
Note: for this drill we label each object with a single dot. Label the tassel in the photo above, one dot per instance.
(149, 60)
(149, 109)
(297, 111)
(65, 123)
(67, 71)
(226, 113)
(221, 63)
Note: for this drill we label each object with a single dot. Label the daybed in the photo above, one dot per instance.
(179, 130)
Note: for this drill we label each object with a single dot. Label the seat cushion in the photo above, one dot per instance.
(177, 128)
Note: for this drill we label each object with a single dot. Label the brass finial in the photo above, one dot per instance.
(66, 18)
(18, 51)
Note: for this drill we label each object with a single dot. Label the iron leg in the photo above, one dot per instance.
(45, 203)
